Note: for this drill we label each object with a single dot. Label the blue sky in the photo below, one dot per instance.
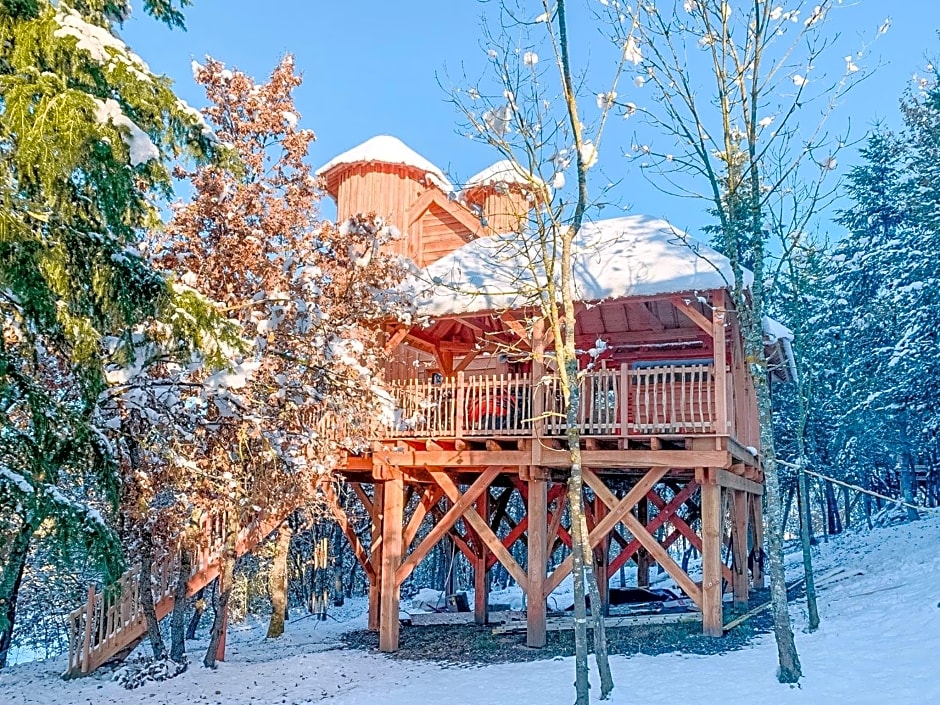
(373, 67)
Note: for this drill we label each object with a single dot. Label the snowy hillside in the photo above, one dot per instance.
(878, 644)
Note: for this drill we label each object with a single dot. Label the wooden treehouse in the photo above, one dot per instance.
(668, 417)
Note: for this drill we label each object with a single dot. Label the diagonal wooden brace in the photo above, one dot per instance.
(460, 506)
(665, 515)
(340, 515)
(619, 509)
(481, 527)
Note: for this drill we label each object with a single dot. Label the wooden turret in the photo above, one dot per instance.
(385, 176)
(502, 195)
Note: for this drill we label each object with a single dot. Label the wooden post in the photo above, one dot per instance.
(392, 517)
(642, 555)
(739, 548)
(459, 411)
(536, 538)
(721, 376)
(89, 618)
(481, 582)
(711, 555)
(375, 557)
(602, 557)
(623, 401)
(757, 522)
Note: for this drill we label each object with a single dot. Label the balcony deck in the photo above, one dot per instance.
(653, 401)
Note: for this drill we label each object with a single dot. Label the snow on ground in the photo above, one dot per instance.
(879, 642)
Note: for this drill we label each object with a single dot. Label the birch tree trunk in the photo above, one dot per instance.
(789, 661)
(565, 351)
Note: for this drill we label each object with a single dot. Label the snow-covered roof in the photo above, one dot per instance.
(388, 150)
(777, 335)
(616, 258)
(506, 172)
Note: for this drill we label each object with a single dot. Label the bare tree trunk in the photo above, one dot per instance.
(146, 597)
(178, 620)
(823, 513)
(847, 502)
(199, 606)
(223, 592)
(833, 520)
(277, 582)
(565, 346)
(907, 485)
(805, 531)
(789, 661)
(576, 510)
(10, 581)
(789, 504)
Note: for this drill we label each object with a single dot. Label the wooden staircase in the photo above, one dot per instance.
(112, 623)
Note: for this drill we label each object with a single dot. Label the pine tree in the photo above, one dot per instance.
(86, 130)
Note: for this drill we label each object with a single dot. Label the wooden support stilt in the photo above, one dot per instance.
(711, 555)
(536, 538)
(375, 556)
(481, 581)
(643, 556)
(757, 522)
(392, 517)
(739, 548)
(602, 557)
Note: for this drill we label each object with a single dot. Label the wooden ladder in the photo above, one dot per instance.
(112, 623)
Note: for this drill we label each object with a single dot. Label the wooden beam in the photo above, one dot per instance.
(661, 556)
(637, 458)
(535, 595)
(619, 509)
(460, 505)
(712, 620)
(480, 526)
(555, 522)
(666, 514)
(720, 353)
(453, 458)
(375, 550)
(739, 548)
(465, 362)
(692, 313)
(392, 517)
(347, 528)
(393, 342)
(736, 482)
(363, 497)
(430, 497)
(481, 583)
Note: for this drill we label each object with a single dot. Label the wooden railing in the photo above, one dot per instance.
(656, 400)
(112, 622)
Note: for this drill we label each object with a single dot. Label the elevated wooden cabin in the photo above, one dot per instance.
(668, 417)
